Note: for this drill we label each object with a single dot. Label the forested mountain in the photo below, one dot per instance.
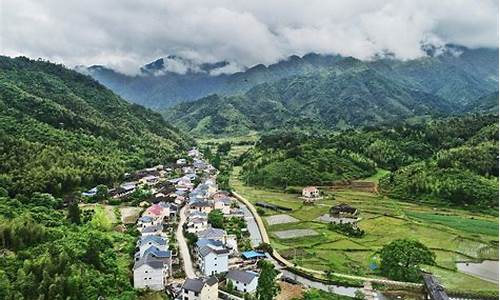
(448, 161)
(350, 94)
(454, 73)
(158, 86)
(60, 130)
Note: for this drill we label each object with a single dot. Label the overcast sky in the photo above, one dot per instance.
(125, 34)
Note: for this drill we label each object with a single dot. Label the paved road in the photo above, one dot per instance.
(253, 229)
(183, 247)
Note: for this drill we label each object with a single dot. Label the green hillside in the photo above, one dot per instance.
(448, 161)
(347, 95)
(60, 130)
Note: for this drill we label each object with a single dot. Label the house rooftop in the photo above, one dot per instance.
(149, 260)
(252, 254)
(196, 285)
(201, 204)
(146, 219)
(310, 189)
(156, 252)
(242, 276)
(211, 233)
(153, 228)
(204, 242)
(205, 250)
(152, 238)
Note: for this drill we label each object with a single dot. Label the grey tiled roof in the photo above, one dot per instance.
(241, 276)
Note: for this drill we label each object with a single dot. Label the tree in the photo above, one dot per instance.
(191, 238)
(265, 247)
(400, 260)
(101, 193)
(267, 287)
(230, 286)
(74, 212)
(216, 218)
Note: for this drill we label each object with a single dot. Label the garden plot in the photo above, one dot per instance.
(295, 233)
(280, 219)
(129, 214)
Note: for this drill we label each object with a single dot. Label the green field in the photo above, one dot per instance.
(454, 235)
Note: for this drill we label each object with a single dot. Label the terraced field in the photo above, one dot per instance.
(454, 235)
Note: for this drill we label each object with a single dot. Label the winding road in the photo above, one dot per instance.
(183, 247)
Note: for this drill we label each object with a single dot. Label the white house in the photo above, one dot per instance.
(310, 192)
(223, 205)
(195, 225)
(150, 272)
(213, 260)
(201, 206)
(243, 281)
(200, 289)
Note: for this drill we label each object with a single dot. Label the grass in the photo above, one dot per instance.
(466, 224)
(376, 177)
(453, 234)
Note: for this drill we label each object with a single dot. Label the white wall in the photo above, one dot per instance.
(213, 264)
(145, 276)
(249, 288)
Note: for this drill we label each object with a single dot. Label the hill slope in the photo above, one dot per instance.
(351, 93)
(451, 161)
(60, 130)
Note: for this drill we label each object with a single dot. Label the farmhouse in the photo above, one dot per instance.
(195, 225)
(310, 194)
(201, 206)
(223, 205)
(200, 289)
(150, 272)
(243, 281)
(213, 259)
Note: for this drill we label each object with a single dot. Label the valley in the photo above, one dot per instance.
(465, 236)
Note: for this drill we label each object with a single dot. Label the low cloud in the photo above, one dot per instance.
(126, 34)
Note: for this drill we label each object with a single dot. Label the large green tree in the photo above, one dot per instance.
(216, 218)
(267, 287)
(401, 259)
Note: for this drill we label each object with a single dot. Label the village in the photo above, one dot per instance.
(194, 241)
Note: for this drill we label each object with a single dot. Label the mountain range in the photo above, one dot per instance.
(314, 90)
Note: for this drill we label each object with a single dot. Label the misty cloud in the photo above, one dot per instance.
(126, 34)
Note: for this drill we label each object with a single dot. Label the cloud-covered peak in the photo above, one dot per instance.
(124, 34)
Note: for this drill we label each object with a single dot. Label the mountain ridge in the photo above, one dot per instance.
(469, 69)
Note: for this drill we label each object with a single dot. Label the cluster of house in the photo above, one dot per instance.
(206, 288)
(151, 178)
(214, 247)
(153, 259)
